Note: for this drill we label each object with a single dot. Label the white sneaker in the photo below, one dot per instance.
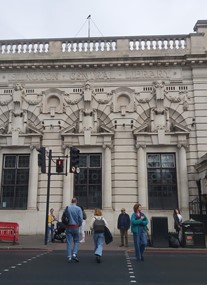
(82, 240)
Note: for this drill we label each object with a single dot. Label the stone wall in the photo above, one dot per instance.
(122, 97)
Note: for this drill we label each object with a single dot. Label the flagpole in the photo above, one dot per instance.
(89, 18)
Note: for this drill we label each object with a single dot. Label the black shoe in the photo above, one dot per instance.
(98, 258)
(74, 257)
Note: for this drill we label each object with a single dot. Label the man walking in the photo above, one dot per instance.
(123, 225)
(75, 215)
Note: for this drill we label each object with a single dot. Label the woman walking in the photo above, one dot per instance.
(98, 224)
(139, 229)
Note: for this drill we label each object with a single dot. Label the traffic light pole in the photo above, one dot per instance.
(48, 196)
(74, 161)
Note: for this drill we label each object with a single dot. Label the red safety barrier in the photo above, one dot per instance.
(9, 232)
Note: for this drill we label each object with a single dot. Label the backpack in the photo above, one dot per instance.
(65, 217)
(99, 226)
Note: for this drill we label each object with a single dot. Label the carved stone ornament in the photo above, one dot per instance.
(174, 98)
(141, 145)
(7, 99)
(72, 98)
(103, 98)
(143, 97)
(88, 120)
(33, 99)
(123, 100)
(52, 101)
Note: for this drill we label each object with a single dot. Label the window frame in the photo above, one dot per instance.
(19, 187)
(167, 193)
(89, 187)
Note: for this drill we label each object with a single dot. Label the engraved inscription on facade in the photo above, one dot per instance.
(83, 75)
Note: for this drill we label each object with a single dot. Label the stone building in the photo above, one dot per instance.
(135, 107)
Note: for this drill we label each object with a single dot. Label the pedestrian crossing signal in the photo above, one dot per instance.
(59, 165)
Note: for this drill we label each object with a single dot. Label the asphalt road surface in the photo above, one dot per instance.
(22, 267)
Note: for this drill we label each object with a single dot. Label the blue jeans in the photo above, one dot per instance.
(98, 242)
(72, 234)
(140, 242)
(50, 232)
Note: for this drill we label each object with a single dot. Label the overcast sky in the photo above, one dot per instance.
(31, 19)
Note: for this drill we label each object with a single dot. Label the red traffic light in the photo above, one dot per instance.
(59, 165)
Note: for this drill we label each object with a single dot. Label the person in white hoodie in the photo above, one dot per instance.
(98, 224)
(178, 219)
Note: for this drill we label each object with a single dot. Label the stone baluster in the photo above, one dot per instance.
(72, 46)
(27, 47)
(94, 46)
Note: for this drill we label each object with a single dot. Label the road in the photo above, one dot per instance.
(22, 267)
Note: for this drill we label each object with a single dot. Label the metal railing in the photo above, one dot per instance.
(197, 206)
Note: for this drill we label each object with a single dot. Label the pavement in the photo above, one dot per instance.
(34, 242)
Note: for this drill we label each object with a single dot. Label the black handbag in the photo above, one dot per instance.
(65, 217)
(107, 235)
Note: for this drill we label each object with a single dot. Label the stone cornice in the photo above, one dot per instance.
(56, 65)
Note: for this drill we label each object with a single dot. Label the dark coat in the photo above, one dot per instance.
(123, 221)
(108, 236)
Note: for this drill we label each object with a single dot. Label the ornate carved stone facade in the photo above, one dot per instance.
(123, 98)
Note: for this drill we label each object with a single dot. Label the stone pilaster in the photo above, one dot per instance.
(107, 191)
(142, 192)
(184, 196)
(67, 183)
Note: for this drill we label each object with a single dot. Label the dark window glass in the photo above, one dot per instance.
(162, 181)
(15, 179)
(95, 161)
(82, 160)
(23, 161)
(88, 183)
(10, 161)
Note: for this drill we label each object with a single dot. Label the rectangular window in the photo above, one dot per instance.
(15, 179)
(162, 181)
(88, 183)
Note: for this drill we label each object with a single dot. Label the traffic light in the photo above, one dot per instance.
(42, 159)
(59, 165)
(74, 159)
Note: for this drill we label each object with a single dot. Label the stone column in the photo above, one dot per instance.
(184, 195)
(68, 182)
(107, 191)
(142, 174)
(33, 180)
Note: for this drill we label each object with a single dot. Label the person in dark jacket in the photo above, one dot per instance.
(123, 225)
